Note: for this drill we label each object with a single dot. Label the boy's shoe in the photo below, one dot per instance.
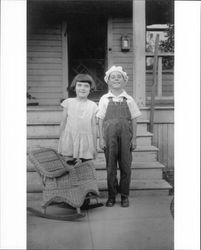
(110, 202)
(124, 202)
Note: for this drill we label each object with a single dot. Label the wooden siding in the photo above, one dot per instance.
(123, 26)
(164, 140)
(44, 64)
(45, 79)
(163, 135)
(167, 84)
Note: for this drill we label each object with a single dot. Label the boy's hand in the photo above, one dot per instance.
(133, 144)
(102, 143)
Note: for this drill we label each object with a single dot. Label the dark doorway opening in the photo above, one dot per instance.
(87, 50)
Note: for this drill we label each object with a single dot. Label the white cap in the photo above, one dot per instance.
(115, 68)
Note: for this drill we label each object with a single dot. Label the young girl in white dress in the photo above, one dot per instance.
(78, 134)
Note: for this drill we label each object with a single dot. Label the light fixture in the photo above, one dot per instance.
(125, 43)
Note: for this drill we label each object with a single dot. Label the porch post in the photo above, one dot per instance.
(64, 60)
(139, 51)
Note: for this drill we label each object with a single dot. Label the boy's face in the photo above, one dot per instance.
(82, 89)
(116, 80)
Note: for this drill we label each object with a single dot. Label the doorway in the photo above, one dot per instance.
(87, 50)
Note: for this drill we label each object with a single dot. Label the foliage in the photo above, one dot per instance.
(31, 100)
(29, 96)
(168, 44)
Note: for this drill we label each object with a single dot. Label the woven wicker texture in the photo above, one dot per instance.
(61, 182)
(48, 162)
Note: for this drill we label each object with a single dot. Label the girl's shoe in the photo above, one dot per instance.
(72, 162)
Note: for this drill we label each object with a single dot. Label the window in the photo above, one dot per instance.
(160, 20)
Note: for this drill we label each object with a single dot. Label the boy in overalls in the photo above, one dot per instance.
(117, 128)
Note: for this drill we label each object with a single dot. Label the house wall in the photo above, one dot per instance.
(167, 84)
(44, 77)
(44, 63)
(163, 134)
(123, 26)
(164, 140)
(45, 58)
(119, 27)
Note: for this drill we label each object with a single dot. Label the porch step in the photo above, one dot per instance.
(51, 116)
(43, 131)
(37, 128)
(142, 185)
(102, 165)
(141, 153)
(136, 174)
(52, 129)
(136, 185)
(104, 194)
(143, 139)
(140, 171)
(44, 115)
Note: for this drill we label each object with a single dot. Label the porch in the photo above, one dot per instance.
(69, 37)
(55, 55)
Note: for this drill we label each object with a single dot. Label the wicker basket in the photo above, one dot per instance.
(62, 182)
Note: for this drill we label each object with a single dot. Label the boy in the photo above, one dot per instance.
(117, 128)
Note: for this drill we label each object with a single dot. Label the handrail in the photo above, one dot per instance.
(162, 54)
(154, 83)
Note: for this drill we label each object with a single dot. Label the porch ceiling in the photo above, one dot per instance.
(64, 7)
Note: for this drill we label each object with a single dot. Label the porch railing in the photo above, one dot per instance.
(157, 78)
(155, 64)
(160, 71)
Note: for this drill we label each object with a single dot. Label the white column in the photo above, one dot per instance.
(139, 70)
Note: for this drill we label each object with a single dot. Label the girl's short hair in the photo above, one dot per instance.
(83, 78)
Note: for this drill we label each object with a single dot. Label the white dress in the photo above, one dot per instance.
(76, 139)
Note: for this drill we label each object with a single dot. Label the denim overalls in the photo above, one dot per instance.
(117, 127)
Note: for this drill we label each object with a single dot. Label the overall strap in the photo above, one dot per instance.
(124, 111)
(117, 110)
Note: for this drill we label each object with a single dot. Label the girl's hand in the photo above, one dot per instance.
(95, 154)
(133, 144)
(102, 144)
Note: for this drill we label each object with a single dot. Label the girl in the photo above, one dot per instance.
(78, 136)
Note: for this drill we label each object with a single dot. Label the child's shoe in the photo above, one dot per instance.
(110, 202)
(72, 162)
(124, 201)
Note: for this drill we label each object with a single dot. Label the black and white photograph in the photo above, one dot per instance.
(100, 124)
(100, 161)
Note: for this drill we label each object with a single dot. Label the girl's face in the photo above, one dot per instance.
(82, 89)
(116, 80)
